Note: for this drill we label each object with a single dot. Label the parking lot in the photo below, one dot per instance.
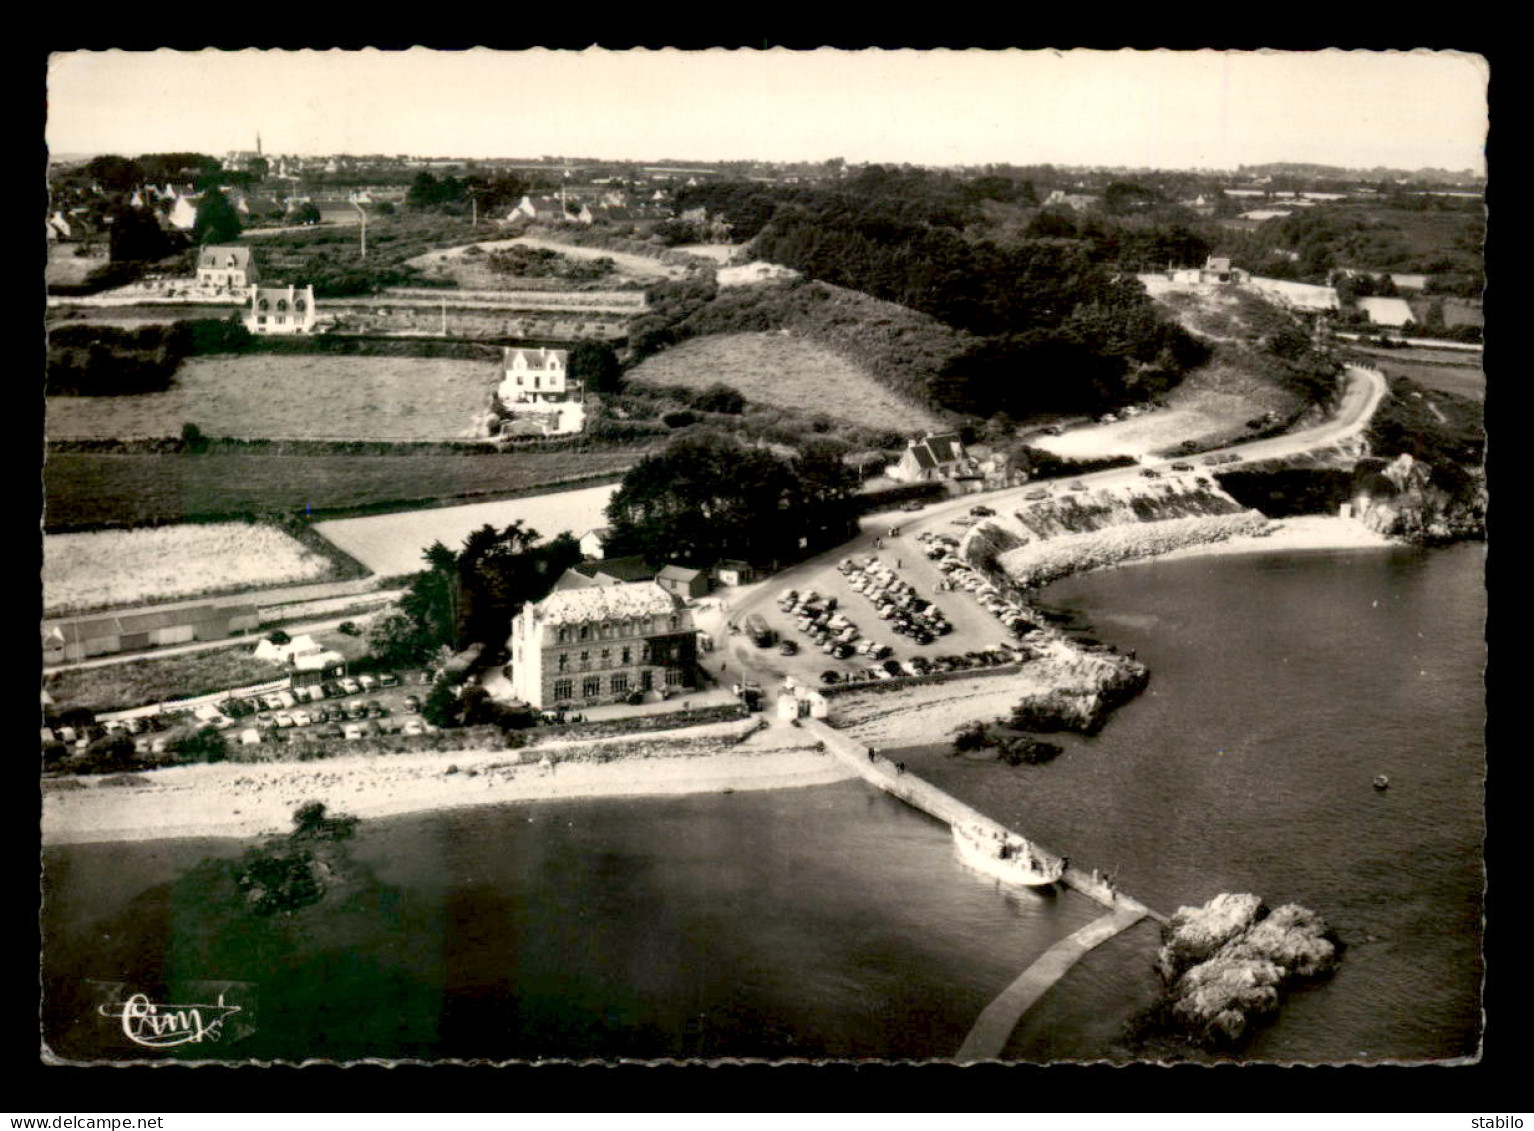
(909, 608)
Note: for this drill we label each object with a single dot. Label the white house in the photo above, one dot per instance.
(227, 266)
(534, 376)
(278, 309)
(183, 214)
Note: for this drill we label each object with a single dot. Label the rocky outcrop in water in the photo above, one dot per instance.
(1402, 498)
(1085, 685)
(1225, 965)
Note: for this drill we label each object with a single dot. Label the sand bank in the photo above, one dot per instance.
(1305, 532)
(245, 799)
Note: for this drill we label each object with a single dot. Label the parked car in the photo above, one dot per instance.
(788, 648)
(830, 675)
(283, 720)
(350, 686)
(412, 727)
(352, 731)
(302, 719)
(1150, 473)
(412, 703)
(388, 679)
(356, 709)
(367, 682)
(982, 511)
(1078, 486)
(1182, 467)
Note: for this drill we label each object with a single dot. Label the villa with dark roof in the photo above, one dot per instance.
(601, 644)
(931, 458)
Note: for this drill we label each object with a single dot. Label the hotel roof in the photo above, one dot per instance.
(605, 602)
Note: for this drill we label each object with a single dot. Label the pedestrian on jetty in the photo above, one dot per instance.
(900, 767)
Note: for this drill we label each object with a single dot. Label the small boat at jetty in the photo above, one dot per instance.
(1010, 859)
(1381, 782)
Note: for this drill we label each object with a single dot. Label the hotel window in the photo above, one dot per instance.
(564, 689)
(591, 686)
(564, 636)
(564, 661)
(299, 306)
(674, 622)
(282, 304)
(607, 657)
(628, 655)
(585, 660)
(620, 684)
(585, 632)
(263, 304)
(673, 677)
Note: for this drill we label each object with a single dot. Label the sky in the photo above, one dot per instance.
(1136, 109)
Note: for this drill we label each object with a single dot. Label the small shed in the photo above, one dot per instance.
(732, 571)
(683, 582)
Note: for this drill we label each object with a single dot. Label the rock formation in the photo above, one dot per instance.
(1224, 965)
(1402, 499)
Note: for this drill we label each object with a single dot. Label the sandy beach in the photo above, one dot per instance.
(248, 799)
(1304, 532)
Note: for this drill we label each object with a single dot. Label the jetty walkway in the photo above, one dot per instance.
(998, 1020)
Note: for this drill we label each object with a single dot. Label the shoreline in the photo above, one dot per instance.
(926, 714)
(244, 800)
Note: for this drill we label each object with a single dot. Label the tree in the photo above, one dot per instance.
(305, 213)
(705, 498)
(595, 365)
(217, 221)
(205, 745)
(113, 173)
(136, 237)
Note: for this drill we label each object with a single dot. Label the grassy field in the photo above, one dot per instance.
(65, 267)
(789, 372)
(119, 567)
(84, 489)
(392, 545)
(112, 687)
(293, 396)
(1459, 373)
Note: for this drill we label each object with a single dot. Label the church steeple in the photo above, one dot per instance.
(258, 143)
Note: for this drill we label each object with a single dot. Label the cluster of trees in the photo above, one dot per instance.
(707, 497)
(542, 263)
(456, 195)
(1058, 320)
(469, 596)
(88, 360)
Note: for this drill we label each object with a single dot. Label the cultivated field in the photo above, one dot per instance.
(293, 396)
(121, 567)
(720, 253)
(776, 368)
(114, 687)
(86, 489)
(393, 544)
